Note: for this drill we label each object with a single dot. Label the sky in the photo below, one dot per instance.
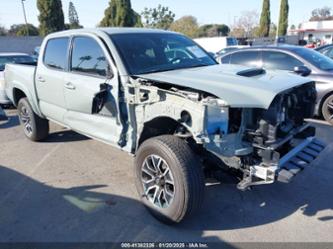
(206, 11)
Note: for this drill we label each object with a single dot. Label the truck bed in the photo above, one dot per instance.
(21, 77)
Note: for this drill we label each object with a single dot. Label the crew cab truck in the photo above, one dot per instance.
(159, 96)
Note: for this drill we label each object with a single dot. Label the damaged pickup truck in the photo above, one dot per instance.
(161, 97)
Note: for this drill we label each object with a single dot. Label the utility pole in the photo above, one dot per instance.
(25, 17)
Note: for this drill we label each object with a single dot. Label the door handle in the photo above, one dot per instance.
(41, 79)
(70, 86)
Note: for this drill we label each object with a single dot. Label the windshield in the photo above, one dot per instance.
(315, 58)
(156, 52)
(21, 59)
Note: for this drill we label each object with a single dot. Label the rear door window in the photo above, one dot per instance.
(55, 55)
(246, 58)
(280, 61)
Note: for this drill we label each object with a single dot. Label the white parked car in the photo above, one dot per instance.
(5, 58)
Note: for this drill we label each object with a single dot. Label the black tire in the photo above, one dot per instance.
(187, 174)
(327, 109)
(38, 128)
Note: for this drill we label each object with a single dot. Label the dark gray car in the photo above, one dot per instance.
(299, 60)
(326, 50)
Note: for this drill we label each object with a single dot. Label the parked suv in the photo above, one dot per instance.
(160, 97)
(299, 60)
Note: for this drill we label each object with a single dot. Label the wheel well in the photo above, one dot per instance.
(322, 102)
(160, 126)
(17, 95)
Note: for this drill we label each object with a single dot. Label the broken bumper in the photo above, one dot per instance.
(299, 158)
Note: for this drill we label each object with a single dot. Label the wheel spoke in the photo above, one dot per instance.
(330, 106)
(148, 171)
(157, 164)
(156, 194)
(150, 188)
(150, 164)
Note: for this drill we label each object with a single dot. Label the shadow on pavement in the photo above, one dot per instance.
(65, 136)
(31, 211)
(11, 122)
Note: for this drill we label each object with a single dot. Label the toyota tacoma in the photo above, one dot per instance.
(159, 96)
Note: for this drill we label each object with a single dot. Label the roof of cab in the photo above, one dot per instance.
(109, 31)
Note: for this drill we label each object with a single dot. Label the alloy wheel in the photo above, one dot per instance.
(158, 182)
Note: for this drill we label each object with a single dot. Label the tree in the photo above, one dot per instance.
(120, 14)
(74, 22)
(3, 31)
(212, 30)
(265, 19)
(246, 25)
(188, 25)
(272, 30)
(22, 29)
(283, 20)
(51, 16)
(158, 18)
(321, 14)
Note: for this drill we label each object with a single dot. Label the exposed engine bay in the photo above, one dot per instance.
(251, 140)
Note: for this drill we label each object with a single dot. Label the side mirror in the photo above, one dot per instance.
(302, 70)
(100, 98)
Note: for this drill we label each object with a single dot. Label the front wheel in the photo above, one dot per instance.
(327, 109)
(169, 178)
(35, 127)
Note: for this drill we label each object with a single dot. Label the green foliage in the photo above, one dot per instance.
(283, 20)
(272, 30)
(23, 30)
(120, 14)
(213, 30)
(321, 14)
(265, 19)
(188, 25)
(74, 22)
(3, 31)
(51, 16)
(159, 18)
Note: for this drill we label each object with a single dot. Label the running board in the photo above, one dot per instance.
(299, 158)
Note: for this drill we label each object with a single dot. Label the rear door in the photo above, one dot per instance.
(50, 74)
(90, 65)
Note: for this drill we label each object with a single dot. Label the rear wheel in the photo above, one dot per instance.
(35, 127)
(327, 109)
(169, 178)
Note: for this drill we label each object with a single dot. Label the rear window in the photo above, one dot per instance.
(55, 55)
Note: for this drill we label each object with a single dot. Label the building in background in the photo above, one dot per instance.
(315, 31)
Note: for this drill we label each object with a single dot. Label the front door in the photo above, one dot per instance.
(91, 66)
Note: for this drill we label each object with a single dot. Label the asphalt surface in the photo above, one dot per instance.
(74, 189)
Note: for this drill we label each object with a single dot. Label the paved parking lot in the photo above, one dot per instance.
(74, 189)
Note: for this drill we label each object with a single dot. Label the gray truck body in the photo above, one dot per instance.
(214, 105)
